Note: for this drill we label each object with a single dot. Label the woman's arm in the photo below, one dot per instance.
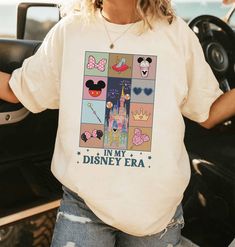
(222, 109)
(5, 91)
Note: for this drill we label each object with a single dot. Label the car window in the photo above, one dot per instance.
(8, 14)
(39, 21)
(8, 17)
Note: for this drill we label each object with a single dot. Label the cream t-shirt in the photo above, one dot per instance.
(120, 134)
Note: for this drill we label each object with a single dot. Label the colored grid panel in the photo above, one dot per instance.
(143, 91)
(96, 63)
(142, 102)
(93, 111)
(117, 110)
(91, 136)
(117, 113)
(141, 115)
(93, 102)
(120, 65)
(144, 67)
(139, 139)
(95, 88)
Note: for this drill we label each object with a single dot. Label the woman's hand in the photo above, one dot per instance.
(222, 109)
(5, 90)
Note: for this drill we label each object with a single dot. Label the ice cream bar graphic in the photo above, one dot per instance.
(144, 64)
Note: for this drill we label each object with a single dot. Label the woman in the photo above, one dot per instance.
(122, 74)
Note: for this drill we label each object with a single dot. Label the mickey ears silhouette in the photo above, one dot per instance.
(141, 59)
(98, 86)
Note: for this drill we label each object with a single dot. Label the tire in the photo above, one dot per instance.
(10, 235)
(41, 229)
(36, 231)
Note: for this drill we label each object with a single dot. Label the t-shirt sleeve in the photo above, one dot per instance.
(203, 87)
(36, 84)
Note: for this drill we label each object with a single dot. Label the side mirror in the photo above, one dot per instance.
(34, 20)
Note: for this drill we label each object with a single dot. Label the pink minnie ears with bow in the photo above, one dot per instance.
(94, 134)
(93, 64)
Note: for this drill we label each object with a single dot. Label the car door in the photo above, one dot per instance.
(29, 192)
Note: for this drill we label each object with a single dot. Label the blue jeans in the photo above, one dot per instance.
(78, 226)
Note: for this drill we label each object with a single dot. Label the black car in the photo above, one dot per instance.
(30, 194)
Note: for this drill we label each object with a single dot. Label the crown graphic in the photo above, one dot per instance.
(141, 115)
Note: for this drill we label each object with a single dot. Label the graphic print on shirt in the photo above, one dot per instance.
(144, 65)
(95, 87)
(118, 101)
(120, 65)
(117, 113)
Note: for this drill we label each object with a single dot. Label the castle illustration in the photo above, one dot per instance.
(116, 125)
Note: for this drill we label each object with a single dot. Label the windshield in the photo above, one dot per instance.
(188, 9)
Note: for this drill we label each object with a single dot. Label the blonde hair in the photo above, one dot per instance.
(147, 10)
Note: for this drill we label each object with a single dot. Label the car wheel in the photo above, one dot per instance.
(41, 229)
(10, 235)
(34, 232)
